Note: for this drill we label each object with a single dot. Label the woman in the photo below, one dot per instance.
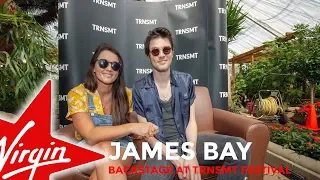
(100, 107)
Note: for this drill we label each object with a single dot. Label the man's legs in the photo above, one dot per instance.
(155, 163)
(221, 140)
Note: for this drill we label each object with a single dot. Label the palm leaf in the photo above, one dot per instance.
(235, 19)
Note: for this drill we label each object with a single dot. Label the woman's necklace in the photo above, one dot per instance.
(107, 106)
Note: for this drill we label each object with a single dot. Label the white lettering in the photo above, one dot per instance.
(170, 151)
(186, 6)
(212, 150)
(223, 66)
(189, 151)
(195, 81)
(147, 150)
(63, 5)
(171, 154)
(228, 151)
(140, 46)
(62, 126)
(105, 3)
(130, 151)
(63, 36)
(223, 94)
(117, 155)
(186, 30)
(223, 38)
(144, 71)
(104, 29)
(244, 150)
(34, 161)
(146, 21)
(55, 67)
(222, 11)
(187, 56)
(62, 97)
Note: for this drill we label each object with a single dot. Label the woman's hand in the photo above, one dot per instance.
(145, 129)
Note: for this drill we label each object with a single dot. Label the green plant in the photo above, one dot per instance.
(236, 105)
(296, 138)
(235, 19)
(24, 64)
(47, 10)
(305, 55)
(299, 57)
(234, 108)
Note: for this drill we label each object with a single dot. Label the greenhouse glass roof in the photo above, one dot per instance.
(268, 19)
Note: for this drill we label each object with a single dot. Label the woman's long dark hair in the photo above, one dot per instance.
(120, 105)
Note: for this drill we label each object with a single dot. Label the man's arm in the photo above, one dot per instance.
(152, 140)
(192, 133)
(192, 129)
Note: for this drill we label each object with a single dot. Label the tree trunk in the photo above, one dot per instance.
(304, 88)
(312, 92)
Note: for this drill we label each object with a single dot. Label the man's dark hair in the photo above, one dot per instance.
(159, 32)
(120, 105)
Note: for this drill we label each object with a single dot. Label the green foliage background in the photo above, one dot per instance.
(23, 65)
(298, 60)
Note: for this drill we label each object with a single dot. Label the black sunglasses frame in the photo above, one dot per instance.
(103, 63)
(158, 49)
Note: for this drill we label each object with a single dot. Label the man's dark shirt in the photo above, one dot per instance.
(146, 102)
(170, 129)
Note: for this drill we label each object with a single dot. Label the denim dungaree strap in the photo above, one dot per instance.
(98, 119)
(105, 120)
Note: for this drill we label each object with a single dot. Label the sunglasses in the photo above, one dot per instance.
(165, 50)
(103, 63)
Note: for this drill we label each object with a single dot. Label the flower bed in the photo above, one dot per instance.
(296, 138)
(301, 114)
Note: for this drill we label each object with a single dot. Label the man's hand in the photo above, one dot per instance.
(194, 173)
(179, 163)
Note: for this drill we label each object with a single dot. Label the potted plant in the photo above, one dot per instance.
(300, 115)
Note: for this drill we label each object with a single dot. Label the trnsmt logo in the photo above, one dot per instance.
(186, 30)
(140, 46)
(104, 29)
(105, 3)
(63, 36)
(186, 5)
(223, 66)
(55, 67)
(223, 38)
(146, 21)
(187, 56)
(63, 5)
(195, 81)
(223, 94)
(144, 71)
(62, 97)
(222, 11)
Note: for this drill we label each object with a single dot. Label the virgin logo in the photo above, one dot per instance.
(29, 151)
(32, 156)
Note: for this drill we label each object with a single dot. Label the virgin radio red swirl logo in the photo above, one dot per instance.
(29, 151)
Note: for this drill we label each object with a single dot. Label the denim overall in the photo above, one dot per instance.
(103, 120)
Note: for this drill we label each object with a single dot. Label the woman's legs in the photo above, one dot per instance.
(102, 171)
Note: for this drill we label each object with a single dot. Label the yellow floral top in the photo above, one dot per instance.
(78, 102)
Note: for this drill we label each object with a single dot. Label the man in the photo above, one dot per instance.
(165, 98)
